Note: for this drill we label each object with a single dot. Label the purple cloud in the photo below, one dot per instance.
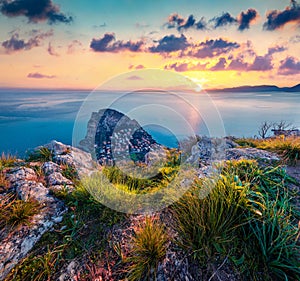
(278, 19)
(177, 21)
(289, 66)
(223, 20)
(276, 49)
(108, 43)
(37, 75)
(245, 19)
(51, 50)
(35, 11)
(212, 48)
(261, 63)
(170, 43)
(220, 65)
(238, 64)
(140, 66)
(134, 77)
(181, 67)
(16, 44)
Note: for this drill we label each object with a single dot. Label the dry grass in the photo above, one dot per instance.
(287, 147)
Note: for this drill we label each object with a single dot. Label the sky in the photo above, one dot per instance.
(81, 44)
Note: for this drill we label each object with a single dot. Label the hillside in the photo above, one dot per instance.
(260, 88)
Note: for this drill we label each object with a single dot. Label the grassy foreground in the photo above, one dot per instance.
(244, 220)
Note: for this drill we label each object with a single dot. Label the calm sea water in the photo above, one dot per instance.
(31, 118)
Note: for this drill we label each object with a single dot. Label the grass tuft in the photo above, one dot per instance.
(149, 247)
(7, 161)
(42, 154)
(15, 212)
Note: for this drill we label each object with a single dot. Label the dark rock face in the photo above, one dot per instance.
(112, 136)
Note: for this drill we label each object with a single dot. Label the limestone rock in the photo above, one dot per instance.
(15, 247)
(33, 190)
(21, 174)
(50, 167)
(58, 179)
(67, 155)
(250, 153)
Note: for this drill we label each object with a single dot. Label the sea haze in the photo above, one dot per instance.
(29, 118)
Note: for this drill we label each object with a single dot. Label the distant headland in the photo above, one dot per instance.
(259, 88)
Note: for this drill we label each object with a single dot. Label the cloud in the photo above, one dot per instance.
(223, 20)
(51, 50)
(295, 39)
(278, 19)
(212, 48)
(261, 63)
(16, 44)
(276, 49)
(35, 11)
(108, 43)
(238, 64)
(246, 18)
(177, 21)
(100, 25)
(185, 66)
(140, 66)
(73, 46)
(170, 43)
(134, 77)
(220, 65)
(37, 75)
(289, 66)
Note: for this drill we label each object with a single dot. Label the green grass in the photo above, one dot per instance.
(82, 232)
(7, 161)
(244, 214)
(287, 147)
(15, 212)
(148, 249)
(42, 154)
(70, 172)
(142, 178)
(4, 183)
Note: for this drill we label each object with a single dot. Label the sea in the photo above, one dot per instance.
(31, 118)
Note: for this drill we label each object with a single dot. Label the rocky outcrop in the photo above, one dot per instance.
(209, 150)
(250, 154)
(113, 136)
(15, 246)
(67, 155)
(26, 184)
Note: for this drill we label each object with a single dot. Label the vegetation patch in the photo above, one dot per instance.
(244, 215)
(15, 212)
(287, 147)
(82, 232)
(42, 154)
(7, 161)
(149, 246)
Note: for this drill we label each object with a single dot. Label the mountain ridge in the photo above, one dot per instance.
(258, 88)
